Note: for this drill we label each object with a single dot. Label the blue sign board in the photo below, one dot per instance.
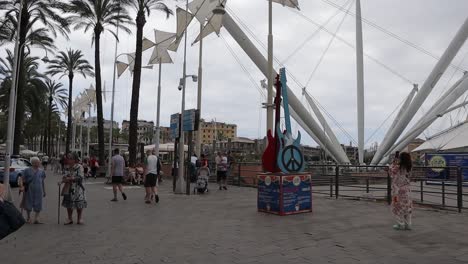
(442, 160)
(189, 120)
(174, 126)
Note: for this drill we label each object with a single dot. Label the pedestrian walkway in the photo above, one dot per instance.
(224, 227)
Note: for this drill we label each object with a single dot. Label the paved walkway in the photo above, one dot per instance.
(224, 227)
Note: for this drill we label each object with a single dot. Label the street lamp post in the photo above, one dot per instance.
(180, 179)
(158, 114)
(11, 113)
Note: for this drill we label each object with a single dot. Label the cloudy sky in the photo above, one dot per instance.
(231, 94)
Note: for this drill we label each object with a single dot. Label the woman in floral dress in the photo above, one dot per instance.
(402, 205)
(73, 191)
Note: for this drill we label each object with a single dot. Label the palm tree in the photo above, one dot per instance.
(68, 63)
(34, 86)
(98, 15)
(39, 15)
(142, 7)
(57, 96)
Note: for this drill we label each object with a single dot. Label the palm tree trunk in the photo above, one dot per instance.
(19, 115)
(69, 124)
(49, 127)
(100, 116)
(133, 130)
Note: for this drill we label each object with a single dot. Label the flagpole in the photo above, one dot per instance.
(158, 113)
(199, 96)
(12, 112)
(180, 180)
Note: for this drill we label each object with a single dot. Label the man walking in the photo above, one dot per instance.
(221, 170)
(152, 170)
(117, 173)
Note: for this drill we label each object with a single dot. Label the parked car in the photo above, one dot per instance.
(17, 166)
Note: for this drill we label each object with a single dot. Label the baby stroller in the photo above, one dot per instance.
(201, 185)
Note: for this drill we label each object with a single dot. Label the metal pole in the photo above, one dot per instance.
(11, 113)
(158, 114)
(180, 180)
(59, 137)
(111, 128)
(81, 138)
(89, 128)
(269, 119)
(360, 82)
(199, 96)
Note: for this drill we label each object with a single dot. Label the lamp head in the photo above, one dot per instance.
(194, 78)
(219, 10)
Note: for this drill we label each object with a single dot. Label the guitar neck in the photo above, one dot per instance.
(284, 90)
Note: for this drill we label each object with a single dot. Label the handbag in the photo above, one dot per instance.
(10, 219)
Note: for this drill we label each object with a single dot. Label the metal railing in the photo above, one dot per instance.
(440, 187)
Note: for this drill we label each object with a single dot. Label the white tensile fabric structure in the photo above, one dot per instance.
(169, 147)
(162, 40)
(455, 138)
(183, 20)
(289, 3)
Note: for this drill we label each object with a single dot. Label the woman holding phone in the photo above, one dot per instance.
(402, 205)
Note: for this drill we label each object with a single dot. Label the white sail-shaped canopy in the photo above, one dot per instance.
(160, 55)
(288, 3)
(121, 67)
(183, 20)
(214, 24)
(163, 38)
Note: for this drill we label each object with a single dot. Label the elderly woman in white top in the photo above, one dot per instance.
(32, 184)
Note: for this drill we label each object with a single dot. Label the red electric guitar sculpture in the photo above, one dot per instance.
(269, 157)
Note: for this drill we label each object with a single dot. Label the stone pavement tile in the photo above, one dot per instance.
(224, 227)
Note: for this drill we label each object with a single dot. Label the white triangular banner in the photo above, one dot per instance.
(288, 3)
(131, 61)
(175, 45)
(147, 44)
(160, 55)
(163, 38)
(121, 67)
(183, 20)
(202, 9)
(214, 25)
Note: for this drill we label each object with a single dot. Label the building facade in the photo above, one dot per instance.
(145, 130)
(216, 131)
(93, 123)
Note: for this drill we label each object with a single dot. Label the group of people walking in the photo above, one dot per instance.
(32, 186)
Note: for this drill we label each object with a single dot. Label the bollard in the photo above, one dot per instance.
(422, 191)
(367, 185)
(389, 188)
(239, 174)
(443, 193)
(337, 183)
(459, 189)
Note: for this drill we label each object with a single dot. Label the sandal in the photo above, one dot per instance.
(398, 227)
(68, 223)
(80, 222)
